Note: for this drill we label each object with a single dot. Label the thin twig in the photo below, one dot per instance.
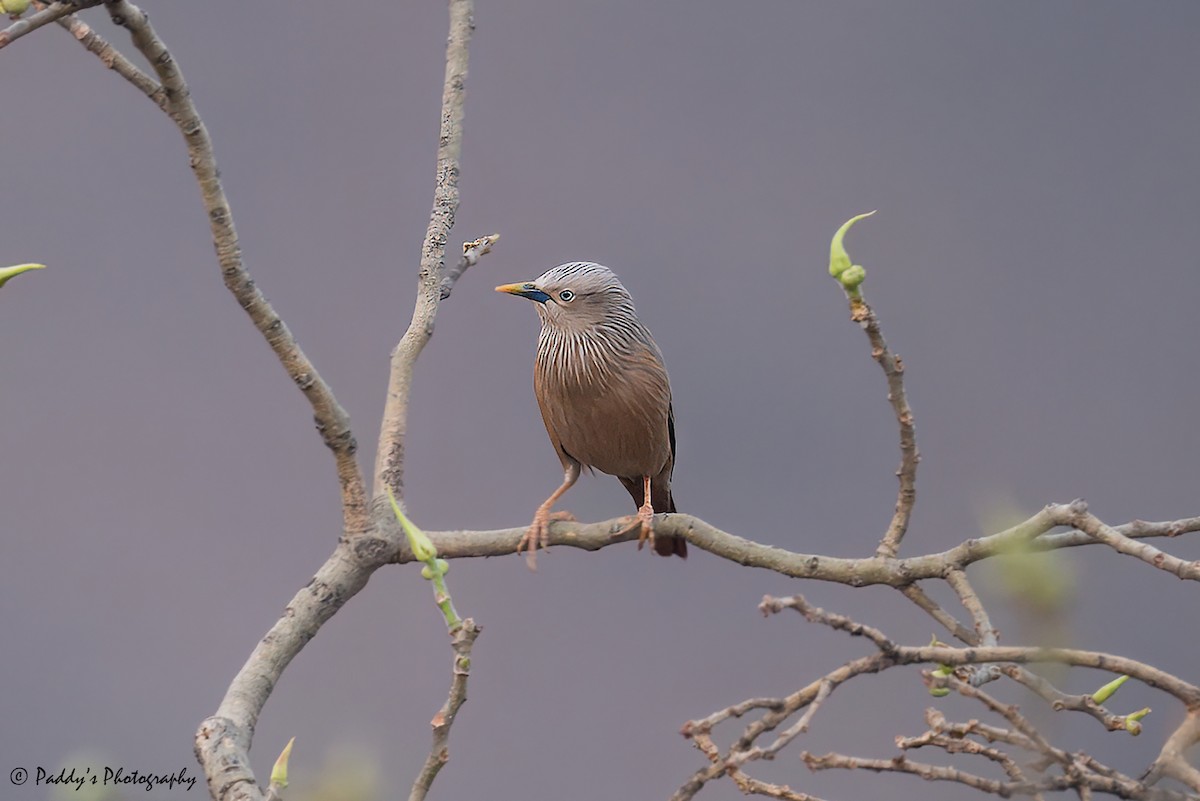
(463, 640)
(815, 614)
(800, 726)
(752, 786)
(472, 252)
(1059, 700)
(985, 633)
(1134, 530)
(914, 593)
(1012, 714)
(893, 368)
(961, 745)
(114, 60)
(389, 457)
(734, 711)
(993, 734)
(743, 749)
(1188, 694)
(924, 770)
(1091, 525)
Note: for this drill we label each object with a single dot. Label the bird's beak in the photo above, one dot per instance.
(525, 290)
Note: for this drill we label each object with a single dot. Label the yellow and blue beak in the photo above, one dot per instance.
(525, 290)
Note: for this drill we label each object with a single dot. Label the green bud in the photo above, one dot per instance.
(9, 272)
(279, 776)
(1108, 690)
(852, 277)
(443, 566)
(942, 670)
(1131, 721)
(14, 8)
(422, 547)
(839, 259)
(426, 573)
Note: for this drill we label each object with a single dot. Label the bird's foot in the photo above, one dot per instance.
(643, 520)
(538, 534)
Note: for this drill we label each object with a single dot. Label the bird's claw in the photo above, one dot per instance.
(643, 520)
(538, 534)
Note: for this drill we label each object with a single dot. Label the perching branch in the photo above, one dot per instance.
(840, 570)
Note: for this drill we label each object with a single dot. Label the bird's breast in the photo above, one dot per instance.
(608, 411)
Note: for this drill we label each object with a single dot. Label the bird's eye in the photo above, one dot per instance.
(566, 296)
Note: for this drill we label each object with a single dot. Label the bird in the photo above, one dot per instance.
(604, 395)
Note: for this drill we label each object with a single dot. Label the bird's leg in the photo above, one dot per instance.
(646, 516)
(644, 519)
(538, 533)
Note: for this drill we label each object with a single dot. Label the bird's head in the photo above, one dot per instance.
(575, 296)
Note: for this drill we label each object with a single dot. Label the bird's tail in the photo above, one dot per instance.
(672, 545)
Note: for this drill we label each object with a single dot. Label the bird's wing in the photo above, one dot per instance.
(671, 428)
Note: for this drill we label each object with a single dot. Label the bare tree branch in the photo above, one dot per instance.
(1188, 694)
(389, 457)
(743, 749)
(223, 740)
(1080, 773)
(332, 421)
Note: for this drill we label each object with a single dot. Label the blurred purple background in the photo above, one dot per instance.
(163, 493)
